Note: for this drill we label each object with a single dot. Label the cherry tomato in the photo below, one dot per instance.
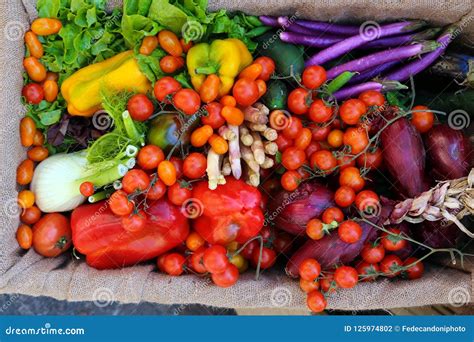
(292, 158)
(135, 180)
(52, 235)
(344, 196)
(33, 44)
(201, 135)
(372, 98)
(314, 76)
(178, 194)
(320, 133)
(170, 64)
(293, 129)
(371, 160)
(303, 140)
(283, 142)
(27, 131)
(45, 26)
(165, 87)
(24, 236)
(218, 144)
(38, 138)
(167, 172)
(299, 101)
(422, 118)
(215, 259)
(178, 165)
(170, 43)
(372, 253)
(196, 262)
(332, 214)
(290, 180)
(391, 265)
(323, 160)
(194, 241)
(156, 190)
(209, 90)
(351, 177)
(316, 301)
(351, 111)
(86, 189)
(268, 258)
(33, 93)
(228, 100)
(38, 153)
(415, 271)
(245, 92)
(134, 222)
(268, 67)
(309, 269)
(345, 161)
(173, 264)
(24, 172)
(356, 138)
(335, 138)
(119, 203)
(346, 277)
(149, 44)
(213, 117)
(283, 243)
(252, 72)
(368, 202)
(327, 284)
(312, 147)
(30, 215)
(232, 115)
(368, 271)
(349, 231)
(195, 165)
(394, 241)
(26, 199)
(187, 101)
(149, 157)
(247, 252)
(308, 286)
(34, 68)
(51, 90)
(226, 278)
(319, 112)
(185, 46)
(314, 229)
(140, 107)
(262, 87)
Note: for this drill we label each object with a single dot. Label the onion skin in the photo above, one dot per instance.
(437, 235)
(290, 211)
(404, 157)
(449, 152)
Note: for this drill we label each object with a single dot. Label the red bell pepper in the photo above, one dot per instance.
(98, 233)
(230, 212)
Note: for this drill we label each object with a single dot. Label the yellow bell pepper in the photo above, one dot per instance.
(223, 57)
(82, 90)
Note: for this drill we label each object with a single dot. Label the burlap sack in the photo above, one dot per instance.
(70, 279)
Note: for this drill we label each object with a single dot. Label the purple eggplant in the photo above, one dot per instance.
(382, 57)
(269, 21)
(289, 25)
(355, 90)
(307, 40)
(366, 35)
(290, 211)
(449, 152)
(336, 29)
(404, 157)
(372, 73)
(413, 68)
(438, 234)
(401, 40)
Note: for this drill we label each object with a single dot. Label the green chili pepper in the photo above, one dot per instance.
(339, 81)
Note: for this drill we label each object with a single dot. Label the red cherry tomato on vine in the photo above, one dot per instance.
(173, 264)
(149, 157)
(371, 160)
(316, 301)
(290, 180)
(268, 257)
(394, 241)
(33, 93)
(422, 118)
(187, 101)
(299, 101)
(368, 271)
(292, 158)
(344, 196)
(319, 112)
(268, 67)
(226, 278)
(178, 194)
(293, 129)
(194, 165)
(351, 111)
(372, 253)
(323, 160)
(332, 214)
(245, 92)
(87, 189)
(119, 203)
(314, 76)
(346, 277)
(372, 98)
(391, 265)
(140, 107)
(349, 231)
(213, 117)
(350, 176)
(135, 180)
(215, 259)
(314, 229)
(165, 87)
(309, 269)
(320, 133)
(156, 191)
(196, 262)
(415, 271)
(134, 222)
